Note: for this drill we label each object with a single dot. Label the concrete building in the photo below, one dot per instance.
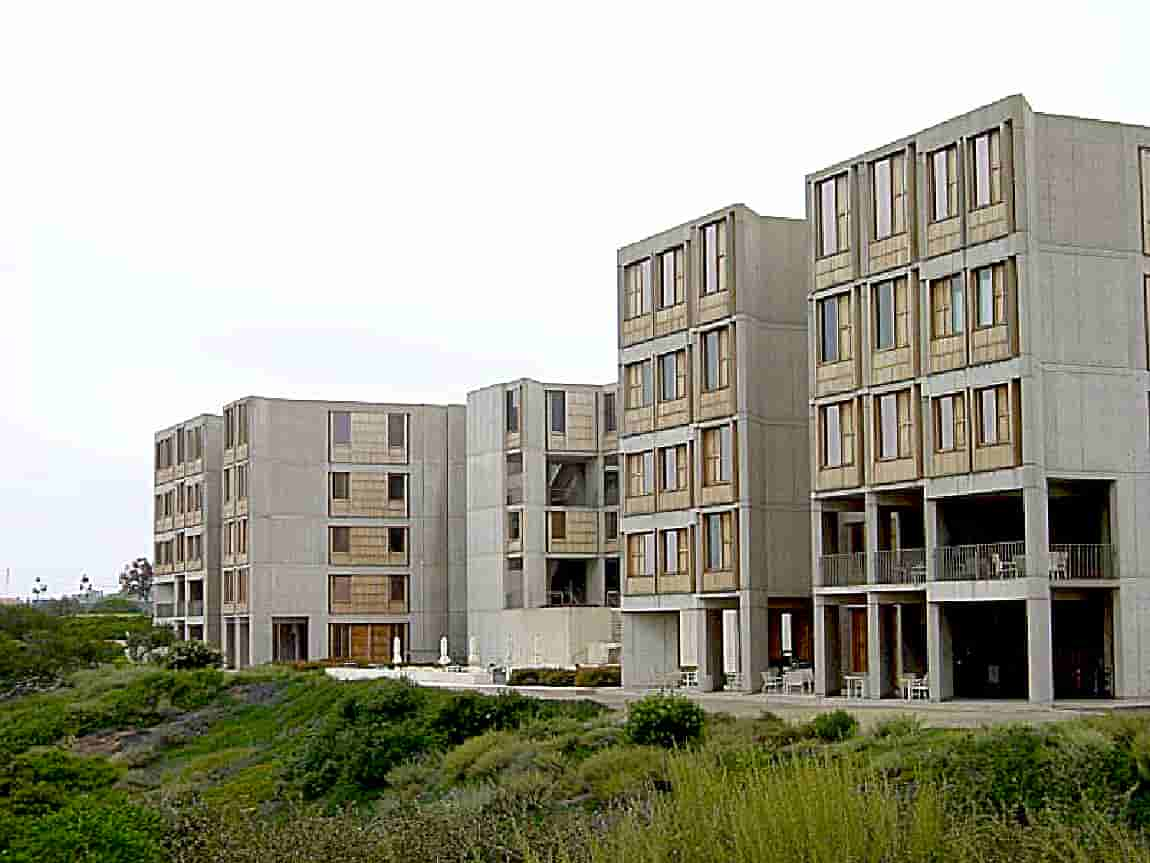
(714, 443)
(978, 373)
(542, 524)
(186, 520)
(342, 530)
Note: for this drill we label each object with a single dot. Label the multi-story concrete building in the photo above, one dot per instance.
(712, 360)
(186, 520)
(342, 530)
(978, 373)
(542, 524)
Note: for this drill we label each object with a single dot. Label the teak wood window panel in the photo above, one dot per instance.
(673, 376)
(673, 464)
(718, 540)
(894, 425)
(716, 359)
(641, 473)
(639, 384)
(637, 289)
(947, 303)
(610, 421)
(834, 315)
(833, 203)
(557, 411)
(986, 169)
(717, 455)
(558, 520)
(640, 555)
(340, 427)
(989, 287)
(950, 422)
(672, 290)
(511, 410)
(944, 183)
(994, 420)
(836, 435)
(368, 642)
(676, 551)
(891, 314)
(714, 257)
(888, 184)
(611, 526)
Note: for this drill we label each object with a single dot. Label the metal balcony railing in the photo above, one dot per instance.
(195, 608)
(165, 609)
(563, 598)
(1085, 561)
(988, 561)
(900, 566)
(842, 570)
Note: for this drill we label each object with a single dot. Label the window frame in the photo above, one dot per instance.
(336, 478)
(338, 419)
(514, 525)
(637, 289)
(556, 398)
(511, 410)
(557, 524)
(714, 250)
(673, 257)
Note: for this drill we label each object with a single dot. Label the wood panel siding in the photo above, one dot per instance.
(999, 341)
(671, 320)
(944, 236)
(726, 576)
(367, 497)
(1001, 453)
(899, 362)
(834, 270)
(581, 534)
(1144, 164)
(580, 432)
(368, 594)
(888, 253)
(368, 546)
(370, 442)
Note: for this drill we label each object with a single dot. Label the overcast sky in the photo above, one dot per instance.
(406, 201)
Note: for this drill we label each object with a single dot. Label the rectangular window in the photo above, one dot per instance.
(883, 204)
(716, 359)
(957, 305)
(649, 472)
(640, 473)
(671, 551)
(990, 296)
(950, 423)
(668, 377)
(832, 436)
(513, 524)
(241, 424)
(558, 525)
(671, 266)
(398, 588)
(717, 468)
(229, 428)
(987, 169)
(512, 411)
(828, 218)
(341, 486)
(396, 487)
(611, 488)
(397, 430)
(341, 588)
(227, 484)
(396, 540)
(994, 415)
(241, 482)
(641, 554)
(884, 315)
(611, 525)
(242, 542)
(340, 427)
(670, 468)
(637, 288)
(888, 426)
(557, 411)
(946, 424)
(610, 424)
(341, 539)
(944, 183)
(719, 540)
(829, 330)
(714, 257)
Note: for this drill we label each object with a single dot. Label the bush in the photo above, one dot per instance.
(41, 782)
(664, 720)
(90, 830)
(599, 675)
(150, 643)
(542, 677)
(834, 726)
(188, 655)
(898, 726)
(622, 771)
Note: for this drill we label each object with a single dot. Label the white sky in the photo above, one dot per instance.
(406, 201)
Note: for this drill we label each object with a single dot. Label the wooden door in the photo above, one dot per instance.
(858, 641)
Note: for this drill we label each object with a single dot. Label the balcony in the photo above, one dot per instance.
(989, 561)
(900, 566)
(195, 608)
(1089, 562)
(165, 609)
(842, 570)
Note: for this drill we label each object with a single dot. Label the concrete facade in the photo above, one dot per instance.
(342, 529)
(978, 414)
(542, 524)
(186, 519)
(713, 390)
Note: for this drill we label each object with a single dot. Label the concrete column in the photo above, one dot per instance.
(650, 647)
(931, 538)
(826, 635)
(816, 541)
(871, 532)
(1037, 521)
(710, 649)
(878, 664)
(754, 646)
(1039, 649)
(939, 653)
(596, 582)
(899, 643)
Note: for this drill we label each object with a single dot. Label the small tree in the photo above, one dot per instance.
(136, 579)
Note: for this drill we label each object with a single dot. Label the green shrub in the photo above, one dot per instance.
(599, 675)
(664, 720)
(898, 726)
(43, 781)
(188, 655)
(623, 771)
(834, 726)
(90, 830)
(542, 677)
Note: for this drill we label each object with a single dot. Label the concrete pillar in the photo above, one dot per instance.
(650, 647)
(596, 582)
(1039, 649)
(931, 538)
(816, 542)
(826, 635)
(899, 643)
(754, 645)
(871, 534)
(939, 653)
(1037, 520)
(879, 664)
(710, 648)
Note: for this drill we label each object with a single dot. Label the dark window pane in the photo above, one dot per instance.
(341, 427)
(396, 430)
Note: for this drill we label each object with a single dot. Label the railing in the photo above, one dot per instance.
(195, 608)
(989, 561)
(513, 599)
(563, 597)
(900, 566)
(165, 609)
(841, 570)
(1070, 561)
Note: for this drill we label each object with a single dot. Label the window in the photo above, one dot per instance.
(950, 423)
(994, 415)
(671, 278)
(229, 427)
(396, 487)
(947, 302)
(944, 183)
(611, 488)
(673, 376)
(180, 447)
(717, 455)
(241, 482)
(396, 540)
(227, 484)
(674, 552)
(714, 257)
(889, 196)
(341, 539)
(611, 525)
(640, 473)
(341, 486)
(641, 554)
(512, 397)
(639, 388)
(895, 429)
(557, 410)
(398, 588)
(834, 215)
(987, 169)
(719, 540)
(884, 315)
(990, 295)
(341, 588)
(513, 524)
(828, 310)
(610, 424)
(199, 497)
(832, 436)
(558, 525)
(716, 359)
(340, 428)
(397, 430)
(242, 540)
(637, 289)
(241, 424)
(670, 468)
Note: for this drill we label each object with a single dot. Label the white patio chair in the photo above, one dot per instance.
(1059, 562)
(772, 681)
(920, 688)
(1002, 568)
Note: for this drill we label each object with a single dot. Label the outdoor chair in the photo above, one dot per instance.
(1002, 568)
(1059, 561)
(920, 688)
(772, 681)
